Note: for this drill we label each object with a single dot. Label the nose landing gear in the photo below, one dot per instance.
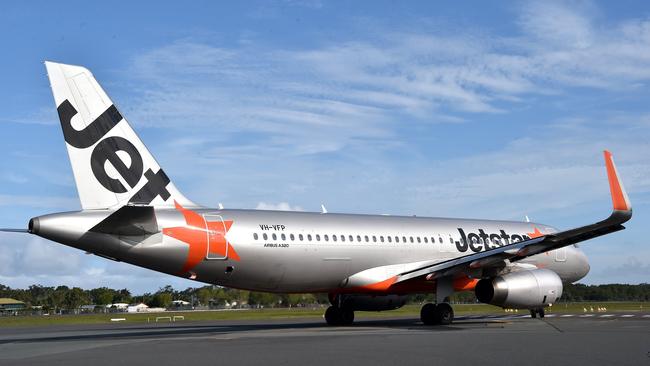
(440, 314)
(535, 312)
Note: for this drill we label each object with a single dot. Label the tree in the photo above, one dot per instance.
(75, 298)
(123, 296)
(160, 300)
(263, 299)
(102, 295)
(204, 295)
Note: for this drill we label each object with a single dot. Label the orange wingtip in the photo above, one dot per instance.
(619, 197)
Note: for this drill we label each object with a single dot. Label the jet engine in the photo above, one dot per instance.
(525, 289)
(370, 302)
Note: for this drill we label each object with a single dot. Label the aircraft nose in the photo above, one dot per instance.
(582, 266)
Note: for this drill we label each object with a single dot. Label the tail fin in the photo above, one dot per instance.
(111, 165)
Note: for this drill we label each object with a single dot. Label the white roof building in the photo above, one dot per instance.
(140, 308)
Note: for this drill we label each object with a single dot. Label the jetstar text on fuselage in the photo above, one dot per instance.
(480, 241)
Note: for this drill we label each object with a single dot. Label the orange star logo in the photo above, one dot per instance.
(535, 234)
(203, 238)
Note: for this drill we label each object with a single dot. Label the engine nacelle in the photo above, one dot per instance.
(370, 302)
(521, 290)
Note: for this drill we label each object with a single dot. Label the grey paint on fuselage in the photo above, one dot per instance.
(301, 265)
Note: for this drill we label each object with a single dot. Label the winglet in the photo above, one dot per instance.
(619, 197)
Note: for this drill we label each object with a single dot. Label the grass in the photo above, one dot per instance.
(317, 312)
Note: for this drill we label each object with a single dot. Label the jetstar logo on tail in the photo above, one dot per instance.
(107, 151)
(203, 237)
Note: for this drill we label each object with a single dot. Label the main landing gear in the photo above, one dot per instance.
(335, 315)
(535, 312)
(440, 314)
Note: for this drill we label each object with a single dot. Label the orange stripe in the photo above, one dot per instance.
(382, 286)
(464, 284)
(618, 198)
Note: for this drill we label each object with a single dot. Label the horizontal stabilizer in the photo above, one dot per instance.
(129, 221)
(24, 231)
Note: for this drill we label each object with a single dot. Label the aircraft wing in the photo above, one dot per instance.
(391, 277)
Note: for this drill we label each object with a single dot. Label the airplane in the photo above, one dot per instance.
(132, 212)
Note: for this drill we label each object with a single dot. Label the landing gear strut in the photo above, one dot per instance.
(535, 312)
(335, 315)
(440, 314)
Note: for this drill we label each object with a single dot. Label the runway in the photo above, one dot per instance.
(491, 340)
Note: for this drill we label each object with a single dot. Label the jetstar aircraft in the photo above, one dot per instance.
(132, 212)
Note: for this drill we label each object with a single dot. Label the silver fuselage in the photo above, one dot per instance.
(304, 252)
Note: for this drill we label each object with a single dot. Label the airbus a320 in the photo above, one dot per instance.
(132, 212)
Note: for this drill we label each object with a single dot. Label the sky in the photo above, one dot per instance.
(431, 108)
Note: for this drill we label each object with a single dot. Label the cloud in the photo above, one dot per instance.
(629, 269)
(282, 206)
(28, 260)
(421, 120)
(42, 202)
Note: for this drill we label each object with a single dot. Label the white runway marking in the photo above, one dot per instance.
(627, 316)
(566, 315)
(587, 315)
(647, 316)
(606, 316)
(551, 315)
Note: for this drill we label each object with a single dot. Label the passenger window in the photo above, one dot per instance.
(317, 237)
(451, 240)
(275, 237)
(374, 239)
(266, 237)
(326, 237)
(342, 237)
(334, 237)
(309, 237)
(381, 238)
(390, 240)
(403, 239)
(419, 240)
(284, 237)
(367, 239)
(351, 238)
(255, 236)
(397, 239)
(300, 237)
(440, 239)
(359, 238)
(426, 241)
(292, 237)
(411, 239)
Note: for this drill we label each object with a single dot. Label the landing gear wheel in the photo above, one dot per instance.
(347, 316)
(339, 316)
(333, 316)
(427, 314)
(540, 312)
(533, 313)
(444, 314)
(441, 314)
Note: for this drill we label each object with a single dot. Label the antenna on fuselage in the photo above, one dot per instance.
(527, 219)
(220, 206)
(323, 210)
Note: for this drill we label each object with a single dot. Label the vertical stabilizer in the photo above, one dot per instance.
(111, 165)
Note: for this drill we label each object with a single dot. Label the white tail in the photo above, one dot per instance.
(111, 165)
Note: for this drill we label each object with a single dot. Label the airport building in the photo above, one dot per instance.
(11, 306)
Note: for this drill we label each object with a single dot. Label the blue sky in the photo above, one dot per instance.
(486, 110)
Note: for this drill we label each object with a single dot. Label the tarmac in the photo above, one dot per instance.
(571, 339)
